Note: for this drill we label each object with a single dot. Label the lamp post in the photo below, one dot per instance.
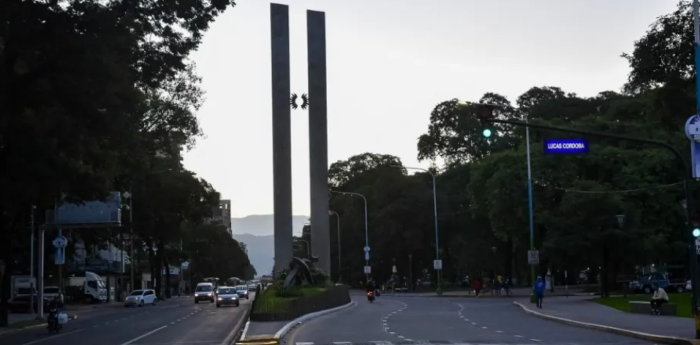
(338, 227)
(437, 232)
(366, 232)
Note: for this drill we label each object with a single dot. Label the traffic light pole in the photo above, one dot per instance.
(692, 255)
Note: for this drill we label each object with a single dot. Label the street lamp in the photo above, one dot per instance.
(437, 238)
(366, 232)
(529, 183)
(331, 212)
(130, 195)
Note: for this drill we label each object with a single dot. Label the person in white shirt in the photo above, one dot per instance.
(657, 299)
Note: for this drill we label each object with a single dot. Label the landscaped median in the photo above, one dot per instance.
(280, 303)
(682, 301)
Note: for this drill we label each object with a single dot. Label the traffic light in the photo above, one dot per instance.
(484, 114)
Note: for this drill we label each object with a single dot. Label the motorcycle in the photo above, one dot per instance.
(370, 296)
(53, 324)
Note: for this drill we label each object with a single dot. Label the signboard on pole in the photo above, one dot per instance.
(533, 257)
(621, 219)
(692, 131)
(366, 256)
(60, 244)
(565, 146)
(368, 269)
(697, 246)
(366, 249)
(437, 264)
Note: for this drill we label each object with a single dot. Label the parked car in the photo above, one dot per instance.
(20, 304)
(140, 298)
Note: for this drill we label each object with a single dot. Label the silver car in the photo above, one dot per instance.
(242, 291)
(227, 296)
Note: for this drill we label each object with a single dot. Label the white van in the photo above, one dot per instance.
(204, 292)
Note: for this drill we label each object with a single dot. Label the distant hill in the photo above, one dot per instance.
(263, 225)
(257, 233)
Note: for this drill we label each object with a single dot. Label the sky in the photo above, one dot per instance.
(389, 63)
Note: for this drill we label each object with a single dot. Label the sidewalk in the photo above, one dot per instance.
(515, 293)
(581, 311)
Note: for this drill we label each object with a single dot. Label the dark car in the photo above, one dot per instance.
(20, 304)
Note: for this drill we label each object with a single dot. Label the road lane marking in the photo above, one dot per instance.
(537, 340)
(53, 337)
(142, 336)
(341, 342)
(499, 331)
(484, 327)
(518, 336)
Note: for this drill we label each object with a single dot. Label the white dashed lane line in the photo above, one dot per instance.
(459, 313)
(148, 312)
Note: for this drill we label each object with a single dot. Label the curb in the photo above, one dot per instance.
(619, 331)
(275, 340)
(236, 331)
(298, 321)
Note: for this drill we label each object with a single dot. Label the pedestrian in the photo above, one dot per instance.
(538, 289)
(477, 286)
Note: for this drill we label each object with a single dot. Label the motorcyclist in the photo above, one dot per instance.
(54, 307)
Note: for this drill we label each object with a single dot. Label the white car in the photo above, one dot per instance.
(140, 298)
(242, 291)
(688, 286)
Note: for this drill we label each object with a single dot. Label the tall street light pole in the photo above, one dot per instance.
(530, 198)
(437, 232)
(366, 232)
(340, 265)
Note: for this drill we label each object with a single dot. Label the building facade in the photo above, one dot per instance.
(222, 215)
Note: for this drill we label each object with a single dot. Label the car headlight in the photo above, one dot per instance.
(209, 294)
(220, 298)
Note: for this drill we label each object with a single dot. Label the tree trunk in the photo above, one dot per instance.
(508, 269)
(604, 275)
(5, 286)
(159, 269)
(168, 293)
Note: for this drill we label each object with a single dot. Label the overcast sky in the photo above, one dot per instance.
(389, 63)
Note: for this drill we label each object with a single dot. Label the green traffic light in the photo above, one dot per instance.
(696, 232)
(487, 133)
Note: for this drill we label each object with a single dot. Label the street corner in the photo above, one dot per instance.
(655, 338)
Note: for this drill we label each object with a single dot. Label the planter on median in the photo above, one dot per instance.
(284, 309)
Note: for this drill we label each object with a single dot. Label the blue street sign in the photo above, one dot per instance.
(60, 244)
(692, 131)
(366, 255)
(366, 249)
(565, 146)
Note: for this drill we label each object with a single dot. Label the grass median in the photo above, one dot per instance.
(270, 302)
(682, 301)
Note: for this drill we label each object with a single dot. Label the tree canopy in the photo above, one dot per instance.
(482, 189)
(95, 96)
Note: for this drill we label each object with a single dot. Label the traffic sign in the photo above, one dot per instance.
(366, 255)
(697, 246)
(60, 242)
(692, 131)
(366, 249)
(368, 269)
(621, 219)
(437, 264)
(533, 257)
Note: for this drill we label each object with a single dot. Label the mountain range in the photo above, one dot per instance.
(257, 233)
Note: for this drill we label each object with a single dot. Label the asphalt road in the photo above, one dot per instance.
(418, 320)
(177, 321)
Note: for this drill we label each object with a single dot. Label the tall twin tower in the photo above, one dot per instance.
(282, 136)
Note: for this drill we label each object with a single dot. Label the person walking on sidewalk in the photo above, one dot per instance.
(538, 289)
(657, 299)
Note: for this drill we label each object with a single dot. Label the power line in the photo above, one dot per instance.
(610, 191)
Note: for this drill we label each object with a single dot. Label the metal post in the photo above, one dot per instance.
(695, 280)
(318, 137)
(340, 267)
(281, 134)
(40, 281)
(31, 263)
(530, 204)
(131, 235)
(366, 227)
